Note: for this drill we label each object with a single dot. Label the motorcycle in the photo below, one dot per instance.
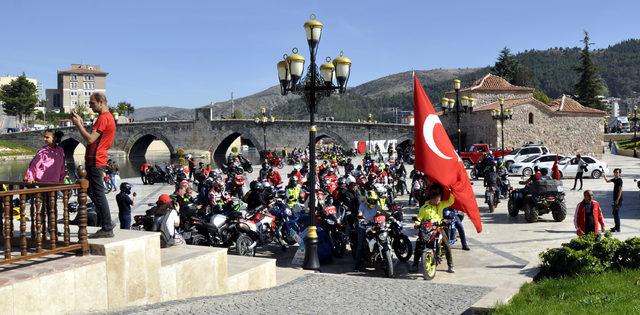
(399, 241)
(275, 161)
(332, 221)
(491, 198)
(246, 165)
(401, 185)
(429, 238)
(257, 229)
(377, 250)
(505, 185)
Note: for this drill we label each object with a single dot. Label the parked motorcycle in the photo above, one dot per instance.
(399, 241)
(331, 218)
(377, 251)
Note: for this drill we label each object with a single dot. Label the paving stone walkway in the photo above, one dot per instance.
(333, 294)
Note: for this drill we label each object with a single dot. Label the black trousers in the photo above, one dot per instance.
(616, 215)
(575, 181)
(97, 194)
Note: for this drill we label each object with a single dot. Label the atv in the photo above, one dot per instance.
(537, 198)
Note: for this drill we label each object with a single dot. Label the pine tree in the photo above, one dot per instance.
(506, 65)
(589, 86)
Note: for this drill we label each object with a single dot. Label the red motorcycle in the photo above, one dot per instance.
(257, 229)
(275, 161)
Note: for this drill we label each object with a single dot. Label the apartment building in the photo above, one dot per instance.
(75, 86)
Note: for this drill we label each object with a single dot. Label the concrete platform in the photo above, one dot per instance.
(250, 273)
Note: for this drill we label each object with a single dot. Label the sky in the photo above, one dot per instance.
(190, 53)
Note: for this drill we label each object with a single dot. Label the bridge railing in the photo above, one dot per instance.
(40, 198)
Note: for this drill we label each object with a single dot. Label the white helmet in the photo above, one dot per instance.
(380, 189)
(351, 179)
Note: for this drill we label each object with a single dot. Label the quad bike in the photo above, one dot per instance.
(537, 198)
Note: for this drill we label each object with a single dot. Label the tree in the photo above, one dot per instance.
(540, 96)
(589, 85)
(506, 65)
(125, 108)
(82, 110)
(237, 114)
(19, 97)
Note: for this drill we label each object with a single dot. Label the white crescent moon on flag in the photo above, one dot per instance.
(427, 132)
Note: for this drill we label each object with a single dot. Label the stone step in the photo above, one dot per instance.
(190, 271)
(250, 273)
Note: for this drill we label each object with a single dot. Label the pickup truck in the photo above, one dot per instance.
(476, 153)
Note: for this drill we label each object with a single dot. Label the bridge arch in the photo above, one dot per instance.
(222, 144)
(324, 134)
(69, 145)
(137, 145)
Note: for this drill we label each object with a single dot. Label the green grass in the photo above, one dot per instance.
(9, 148)
(629, 144)
(605, 293)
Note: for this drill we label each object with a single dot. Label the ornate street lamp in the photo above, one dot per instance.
(370, 122)
(263, 121)
(502, 115)
(458, 106)
(316, 85)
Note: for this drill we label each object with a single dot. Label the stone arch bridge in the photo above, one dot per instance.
(216, 135)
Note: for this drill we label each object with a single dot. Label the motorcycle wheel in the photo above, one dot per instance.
(428, 265)
(388, 270)
(467, 164)
(511, 208)
(150, 181)
(243, 244)
(170, 180)
(250, 169)
(137, 228)
(402, 247)
(339, 244)
(558, 211)
(530, 212)
(199, 240)
(491, 207)
(280, 165)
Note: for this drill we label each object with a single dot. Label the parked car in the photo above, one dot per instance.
(523, 153)
(477, 151)
(526, 166)
(595, 168)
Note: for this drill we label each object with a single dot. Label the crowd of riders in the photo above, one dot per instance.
(360, 192)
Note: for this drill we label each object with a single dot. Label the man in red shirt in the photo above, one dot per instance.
(98, 143)
(588, 217)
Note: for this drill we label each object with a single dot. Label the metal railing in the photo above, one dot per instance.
(41, 199)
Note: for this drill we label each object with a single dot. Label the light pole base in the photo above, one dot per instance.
(311, 261)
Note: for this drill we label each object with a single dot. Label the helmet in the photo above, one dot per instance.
(380, 189)
(371, 177)
(329, 169)
(351, 180)
(265, 165)
(372, 197)
(342, 181)
(255, 185)
(125, 187)
(292, 182)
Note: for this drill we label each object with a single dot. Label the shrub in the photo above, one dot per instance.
(180, 152)
(590, 254)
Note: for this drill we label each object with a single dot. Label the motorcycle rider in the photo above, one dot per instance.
(253, 198)
(264, 171)
(348, 167)
(274, 177)
(293, 195)
(491, 180)
(432, 210)
(144, 170)
(401, 174)
(124, 205)
(366, 213)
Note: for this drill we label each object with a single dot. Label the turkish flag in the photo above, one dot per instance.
(436, 157)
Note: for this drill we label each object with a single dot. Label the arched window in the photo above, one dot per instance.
(531, 118)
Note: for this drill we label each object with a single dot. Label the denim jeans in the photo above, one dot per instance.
(125, 220)
(97, 194)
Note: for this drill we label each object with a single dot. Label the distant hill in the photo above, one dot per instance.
(552, 71)
(155, 112)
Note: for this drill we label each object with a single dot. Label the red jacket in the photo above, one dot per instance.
(579, 217)
(275, 178)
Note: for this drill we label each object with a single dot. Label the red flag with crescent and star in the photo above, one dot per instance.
(437, 158)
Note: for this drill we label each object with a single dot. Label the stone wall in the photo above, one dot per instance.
(486, 98)
(562, 133)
